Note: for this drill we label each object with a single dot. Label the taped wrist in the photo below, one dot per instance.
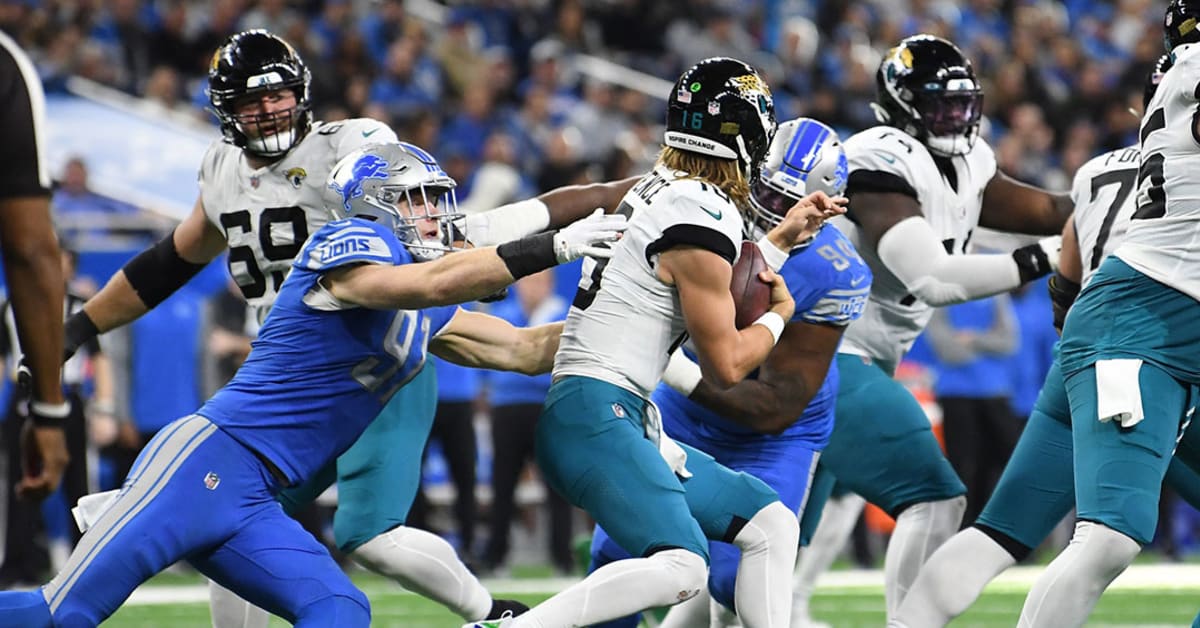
(158, 271)
(48, 414)
(78, 331)
(1062, 295)
(529, 255)
(1032, 262)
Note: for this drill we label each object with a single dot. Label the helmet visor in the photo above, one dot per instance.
(950, 113)
(771, 201)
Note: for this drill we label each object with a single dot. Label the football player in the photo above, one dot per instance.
(1130, 351)
(1037, 488)
(260, 198)
(919, 185)
(600, 441)
(350, 326)
(755, 426)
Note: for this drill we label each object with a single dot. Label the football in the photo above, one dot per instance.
(751, 296)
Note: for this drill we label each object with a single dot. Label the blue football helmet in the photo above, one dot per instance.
(402, 186)
(806, 156)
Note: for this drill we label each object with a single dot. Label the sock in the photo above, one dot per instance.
(24, 609)
(951, 580)
(691, 613)
(621, 588)
(920, 529)
(763, 592)
(721, 617)
(425, 563)
(837, 522)
(230, 611)
(1064, 595)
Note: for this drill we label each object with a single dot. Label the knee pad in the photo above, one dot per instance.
(348, 609)
(686, 569)
(1107, 551)
(774, 524)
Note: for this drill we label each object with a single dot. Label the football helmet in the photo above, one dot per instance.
(805, 156)
(1180, 23)
(1155, 77)
(927, 88)
(250, 64)
(403, 187)
(722, 108)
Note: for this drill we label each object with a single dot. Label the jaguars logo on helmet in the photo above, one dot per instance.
(927, 88)
(252, 63)
(722, 108)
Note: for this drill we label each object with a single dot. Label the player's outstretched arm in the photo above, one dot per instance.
(148, 279)
(483, 341)
(908, 246)
(556, 208)
(475, 273)
(786, 383)
(1009, 205)
(702, 279)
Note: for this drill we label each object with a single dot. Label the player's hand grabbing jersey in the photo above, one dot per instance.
(625, 321)
(1164, 236)
(321, 370)
(267, 213)
(950, 191)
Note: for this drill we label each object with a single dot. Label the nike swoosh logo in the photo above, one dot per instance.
(888, 158)
(369, 133)
(857, 280)
(716, 214)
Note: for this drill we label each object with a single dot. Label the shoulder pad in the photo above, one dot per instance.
(350, 241)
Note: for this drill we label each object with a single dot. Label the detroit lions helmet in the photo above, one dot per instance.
(401, 186)
(250, 64)
(927, 88)
(1180, 23)
(806, 156)
(722, 108)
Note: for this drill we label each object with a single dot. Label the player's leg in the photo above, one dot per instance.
(1035, 492)
(604, 550)
(1118, 473)
(189, 489)
(882, 448)
(825, 527)
(758, 534)
(592, 449)
(277, 565)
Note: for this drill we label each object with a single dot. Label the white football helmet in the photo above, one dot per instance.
(805, 156)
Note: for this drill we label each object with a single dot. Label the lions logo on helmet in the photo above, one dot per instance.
(927, 88)
(806, 156)
(402, 186)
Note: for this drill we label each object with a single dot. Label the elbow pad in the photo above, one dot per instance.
(1062, 294)
(159, 271)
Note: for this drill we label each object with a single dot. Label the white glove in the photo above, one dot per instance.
(681, 373)
(592, 236)
(1052, 247)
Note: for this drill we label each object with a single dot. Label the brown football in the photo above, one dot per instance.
(751, 296)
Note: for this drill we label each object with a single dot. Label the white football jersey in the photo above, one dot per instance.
(1104, 202)
(267, 213)
(1163, 241)
(950, 203)
(625, 321)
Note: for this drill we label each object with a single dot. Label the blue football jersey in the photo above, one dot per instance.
(830, 284)
(321, 370)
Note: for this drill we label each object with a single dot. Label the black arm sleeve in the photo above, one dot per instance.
(158, 272)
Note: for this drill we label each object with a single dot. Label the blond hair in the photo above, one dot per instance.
(726, 174)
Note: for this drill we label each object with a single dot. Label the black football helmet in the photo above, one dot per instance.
(927, 88)
(1180, 23)
(1154, 78)
(722, 108)
(251, 63)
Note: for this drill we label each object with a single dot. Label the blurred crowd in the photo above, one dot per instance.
(507, 94)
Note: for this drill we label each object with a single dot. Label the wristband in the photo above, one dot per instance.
(774, 257)
(682, 374)
(529, 255)
(77, 331)
(44, 414)
(774, 324)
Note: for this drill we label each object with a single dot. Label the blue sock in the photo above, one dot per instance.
(24, 609)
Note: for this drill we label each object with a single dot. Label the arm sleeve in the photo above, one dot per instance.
(912, 251)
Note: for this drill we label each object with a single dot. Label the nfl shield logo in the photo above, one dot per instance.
(211, 480)
(714, 108)
(618, 410)
(254, 181)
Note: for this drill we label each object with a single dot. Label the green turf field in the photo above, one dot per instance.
(1153, 596)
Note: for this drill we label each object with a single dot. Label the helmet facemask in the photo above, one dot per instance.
(424, 219)
(950, 116)
(268, 134)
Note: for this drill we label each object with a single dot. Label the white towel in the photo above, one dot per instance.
(1118, 392)
(91, 507)
(675, 456)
